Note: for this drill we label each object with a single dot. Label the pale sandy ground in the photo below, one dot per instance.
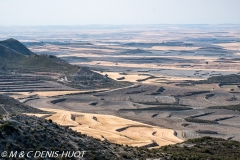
(156, 81)
(133, 77)
(57, 48)
(40, 94)
(37, 115)
(105, 126)
(174, 48)
(175, 66)
(57, 93)
(80, 55)
(210, 87)
(128, 77)
(110, 64)
(47, 93)
(137, 56)
(92, 49)
(230, 46)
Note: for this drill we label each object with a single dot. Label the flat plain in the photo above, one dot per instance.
(170, 68)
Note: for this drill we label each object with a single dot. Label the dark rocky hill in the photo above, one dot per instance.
(12, 59)
(6, 52)
(17, 46)
(16, 57)
(10, 105)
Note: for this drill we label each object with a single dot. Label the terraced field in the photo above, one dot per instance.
(29, 83)
(157, 112)
(114, 129)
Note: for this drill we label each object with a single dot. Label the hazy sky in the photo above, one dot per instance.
(82, 12)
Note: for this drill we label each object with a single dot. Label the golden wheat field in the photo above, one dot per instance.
(115, 129)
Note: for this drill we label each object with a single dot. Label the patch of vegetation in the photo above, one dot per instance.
(158, 91)
(222, 80)
(202, 149)
(231, 107)
(93, 103)
(154, 115)
(172, 43)
(141, 80)
(124, 128)
(209, 95)
(58, 100)
(200, 115)
(134, 51)
(121, 78)
(184, 84)
(233, 78)
(193, 93)
(224, 118)
(7, 128)
(162, 108)
(153, 144)
(206, 132)
(136, 92)
(233, 98)
(196, 120)
(185, 124)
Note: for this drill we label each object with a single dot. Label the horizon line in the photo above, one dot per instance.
(117, 24)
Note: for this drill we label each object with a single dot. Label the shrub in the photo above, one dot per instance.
(8, 128)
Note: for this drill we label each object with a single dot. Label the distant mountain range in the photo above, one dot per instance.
(15, 57)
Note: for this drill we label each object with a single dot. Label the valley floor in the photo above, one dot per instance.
(114, 129)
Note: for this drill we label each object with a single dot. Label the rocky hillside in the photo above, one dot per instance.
(10, 106)
(17, 46)
(29, 133)
(203, 148)
(85, 78)
(15, 57)
(19, 132)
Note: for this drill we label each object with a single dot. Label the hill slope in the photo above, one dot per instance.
(28, 133)
(10, 105)
(17, 46)
(16, 57)
(11, 59)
